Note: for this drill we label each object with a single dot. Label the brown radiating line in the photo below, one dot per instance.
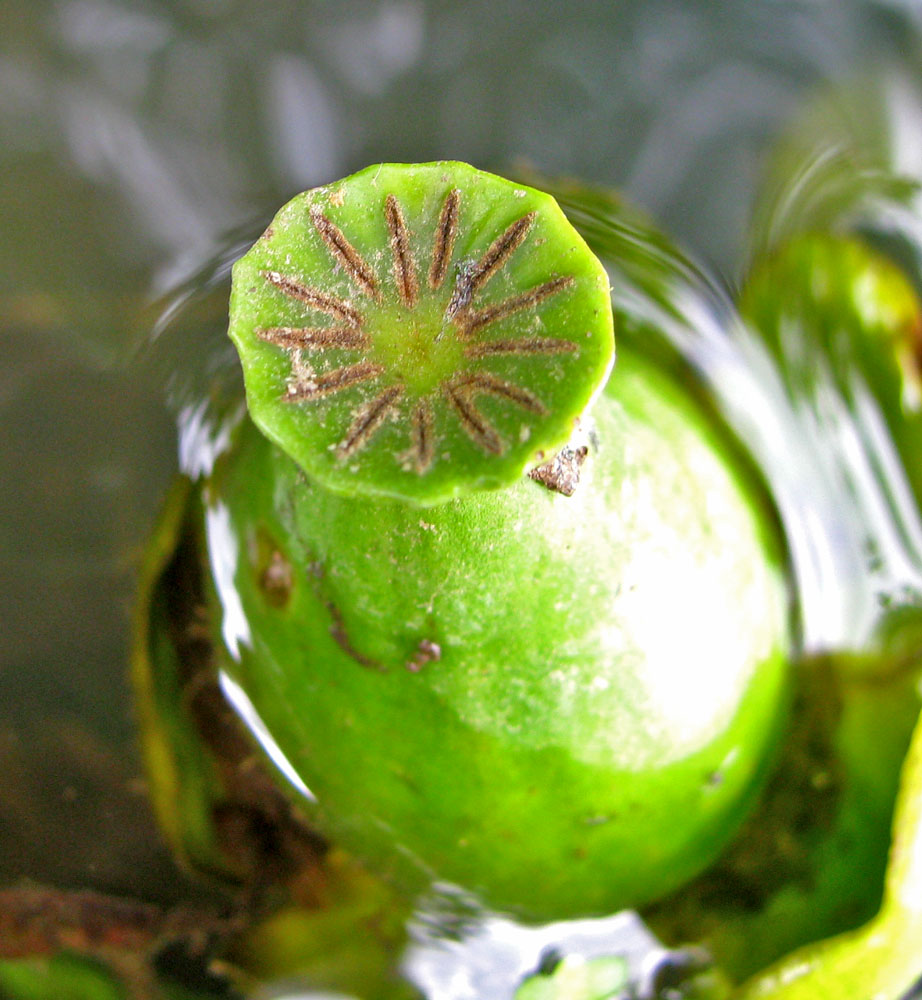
(477, 382)
(323, 302)
(499, 251)
(352, 262)
(523, 346)
(422, 437)
(369, 418)
(334, 381)
(477, 427)
(314, 338)
(404, 264)
(444, 238)
(477, 319)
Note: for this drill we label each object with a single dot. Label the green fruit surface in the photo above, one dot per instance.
(563, 705)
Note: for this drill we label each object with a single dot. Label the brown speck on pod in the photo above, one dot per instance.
(277, 580)
(561, 474)
(342, 638)
(426, 652)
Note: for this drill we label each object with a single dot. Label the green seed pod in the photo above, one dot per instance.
(420, 331)
(559, 695)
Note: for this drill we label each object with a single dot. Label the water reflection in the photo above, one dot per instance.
(245, 708)
(490, 958)
(222, 547)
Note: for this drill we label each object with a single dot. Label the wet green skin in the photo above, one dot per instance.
(611, 674)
